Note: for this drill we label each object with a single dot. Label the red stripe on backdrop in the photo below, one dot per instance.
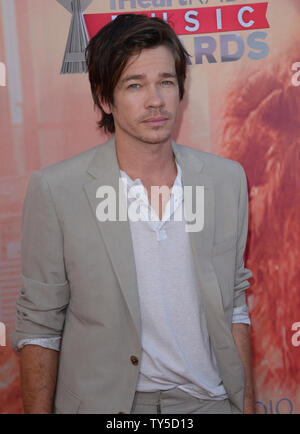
(197, 20)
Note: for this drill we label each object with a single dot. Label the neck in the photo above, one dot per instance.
(154, 164)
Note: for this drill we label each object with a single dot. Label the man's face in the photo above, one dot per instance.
(146, 98)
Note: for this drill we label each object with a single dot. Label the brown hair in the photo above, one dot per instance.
(108, 52)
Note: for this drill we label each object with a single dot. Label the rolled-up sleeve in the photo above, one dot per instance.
(50, 343)
(242, 274)
(44, 295)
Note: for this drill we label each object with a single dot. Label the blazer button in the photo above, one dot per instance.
(134, 360)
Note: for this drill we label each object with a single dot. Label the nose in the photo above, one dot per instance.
(154, 97)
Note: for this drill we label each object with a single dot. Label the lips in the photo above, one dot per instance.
(156, 121)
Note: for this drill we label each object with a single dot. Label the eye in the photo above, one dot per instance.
(134, 86)
(167, 83)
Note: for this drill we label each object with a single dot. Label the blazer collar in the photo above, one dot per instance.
(105, 158)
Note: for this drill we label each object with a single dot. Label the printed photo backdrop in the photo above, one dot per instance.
(242, 102)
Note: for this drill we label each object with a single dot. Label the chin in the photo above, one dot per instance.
(153, 136)
(157, 141)
(156, 137)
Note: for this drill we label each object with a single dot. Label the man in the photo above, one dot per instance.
(120, 315)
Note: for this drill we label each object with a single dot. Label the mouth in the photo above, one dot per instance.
(155, 121)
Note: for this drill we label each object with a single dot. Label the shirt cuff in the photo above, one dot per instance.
(51, 343)
(241, 315)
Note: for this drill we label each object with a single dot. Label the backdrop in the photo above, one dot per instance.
(242, 102)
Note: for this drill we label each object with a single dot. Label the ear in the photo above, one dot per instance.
(106, 107)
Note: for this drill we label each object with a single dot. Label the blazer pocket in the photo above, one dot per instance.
(66, 402)
(223, 246)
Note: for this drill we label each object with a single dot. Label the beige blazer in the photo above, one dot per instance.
(79, 277)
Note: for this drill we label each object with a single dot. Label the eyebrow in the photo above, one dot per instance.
(143, 76)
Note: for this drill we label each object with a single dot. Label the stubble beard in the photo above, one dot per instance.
(159, 137)
(156, 134)
(152, 136)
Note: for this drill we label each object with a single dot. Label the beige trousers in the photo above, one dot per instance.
(176, 401)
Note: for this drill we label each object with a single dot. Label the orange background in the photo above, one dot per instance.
(247, 110)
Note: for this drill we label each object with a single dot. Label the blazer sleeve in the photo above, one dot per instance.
(44, 295)
(241, 272)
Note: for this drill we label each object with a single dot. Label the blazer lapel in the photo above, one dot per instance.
(105, 170)
(201, 244)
